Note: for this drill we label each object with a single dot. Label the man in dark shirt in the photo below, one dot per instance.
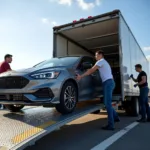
(144, 90)
(4, 66)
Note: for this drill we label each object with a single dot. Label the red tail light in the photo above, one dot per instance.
(89, 17)
(81, 19)
(74, 21)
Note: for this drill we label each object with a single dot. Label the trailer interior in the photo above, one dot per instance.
(86, 39)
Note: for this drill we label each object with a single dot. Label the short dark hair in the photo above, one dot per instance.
(100, 52)
(138, 66)
(7, 56)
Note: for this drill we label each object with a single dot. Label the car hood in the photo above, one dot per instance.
(29, 71)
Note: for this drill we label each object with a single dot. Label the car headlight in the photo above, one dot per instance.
(46, 75)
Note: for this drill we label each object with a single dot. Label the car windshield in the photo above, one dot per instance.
(62, 61)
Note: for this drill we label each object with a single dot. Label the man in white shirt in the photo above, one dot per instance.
(108, 87)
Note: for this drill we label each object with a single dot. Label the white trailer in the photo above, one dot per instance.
(110, 33)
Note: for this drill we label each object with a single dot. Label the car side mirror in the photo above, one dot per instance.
(86, 65)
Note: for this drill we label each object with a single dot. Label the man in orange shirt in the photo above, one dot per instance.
(4, 66)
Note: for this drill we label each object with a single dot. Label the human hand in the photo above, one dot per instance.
(131, 76)
(135, 85)
(78, 77)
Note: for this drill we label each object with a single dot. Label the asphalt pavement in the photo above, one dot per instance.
(85, 134)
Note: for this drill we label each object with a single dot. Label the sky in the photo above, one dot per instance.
(26, 26)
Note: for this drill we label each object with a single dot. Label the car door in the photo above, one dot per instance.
(86, 90)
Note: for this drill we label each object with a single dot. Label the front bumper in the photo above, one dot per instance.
(36, 92)
(44, 95)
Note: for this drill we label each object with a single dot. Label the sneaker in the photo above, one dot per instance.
(108, 128)
(148, 119)
(117, 120)
(141, 120)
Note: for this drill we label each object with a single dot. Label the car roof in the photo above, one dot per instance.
(81, 56)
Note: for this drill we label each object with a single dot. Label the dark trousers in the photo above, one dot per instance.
(143, 101)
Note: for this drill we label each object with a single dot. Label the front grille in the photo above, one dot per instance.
(13, 82)
(44, 93)
(14, 97)
(18, 97)
(3, 97)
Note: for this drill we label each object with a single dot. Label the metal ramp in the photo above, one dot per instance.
(19, 130)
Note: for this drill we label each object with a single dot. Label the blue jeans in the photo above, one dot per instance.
(108, 87)
(143, 101)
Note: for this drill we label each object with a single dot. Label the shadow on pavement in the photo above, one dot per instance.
(81, 134)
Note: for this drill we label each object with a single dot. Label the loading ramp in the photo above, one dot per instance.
(24, 128)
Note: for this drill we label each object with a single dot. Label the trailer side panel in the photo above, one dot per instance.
(132, 55)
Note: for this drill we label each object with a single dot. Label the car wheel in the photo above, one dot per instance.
(132, 107)
(14, 108)
(68, 98)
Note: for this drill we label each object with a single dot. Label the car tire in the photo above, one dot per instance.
(14, 108)
(132, 107)
(68, 98)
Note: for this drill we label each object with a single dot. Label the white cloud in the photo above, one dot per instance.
(45, 20)
(146, 48)
(97, 2)
(54, 23)
(48, 21)
(81, 3)
(65, 2)
(84, 5)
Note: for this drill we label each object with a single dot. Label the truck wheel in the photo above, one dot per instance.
(132, 107)
(14, 108)
(68, 98)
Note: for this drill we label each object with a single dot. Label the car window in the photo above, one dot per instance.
(63, 61)
(86, 59)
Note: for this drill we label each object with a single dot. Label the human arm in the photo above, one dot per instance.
(7, 67)
(142, 81)
(90, 71)
(135, 80)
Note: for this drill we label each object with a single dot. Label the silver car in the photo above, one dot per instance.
(51, 83)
